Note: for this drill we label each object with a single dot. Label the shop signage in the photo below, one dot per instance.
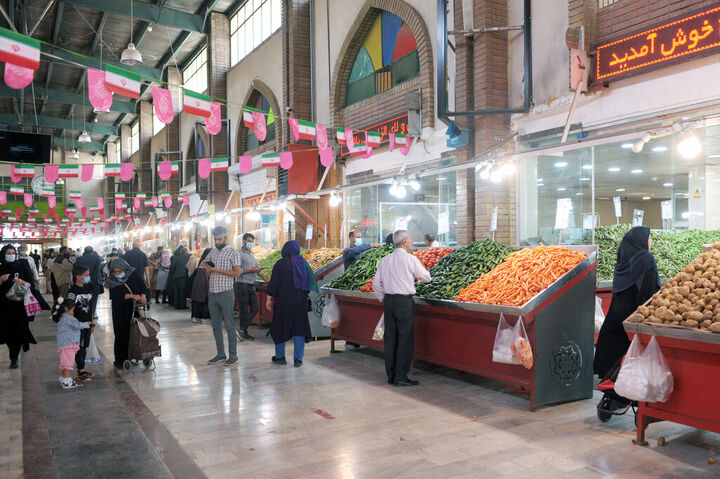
(666, 207)
(493, 220)
(618, 206)
(562, 213)
(255, 200)
(309, 232)
(638, 216)
(686, 38)
(398, 125)
(443, 223)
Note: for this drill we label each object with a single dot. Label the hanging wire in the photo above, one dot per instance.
(96, 34)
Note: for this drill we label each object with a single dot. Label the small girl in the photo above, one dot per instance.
(68, 337)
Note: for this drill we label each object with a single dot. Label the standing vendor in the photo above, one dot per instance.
(431, 242)
(356, 248)
(245, 286)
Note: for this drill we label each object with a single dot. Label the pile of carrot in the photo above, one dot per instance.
(521, 276)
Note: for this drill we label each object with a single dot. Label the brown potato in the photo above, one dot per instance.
(707, 323)
(690, 323)
(693, 316)
(636, 318)
(715, 327)
(643, 310)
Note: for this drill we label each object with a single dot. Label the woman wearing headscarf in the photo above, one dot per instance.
(199, 291)
(636, 280)
(14, 322)
(291, 281)
(161, 277)
(177, 277)
(126, 289)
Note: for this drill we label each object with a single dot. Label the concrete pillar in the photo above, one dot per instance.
(143, 173)
(218, 66)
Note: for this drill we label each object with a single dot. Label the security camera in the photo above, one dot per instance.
(288, 110)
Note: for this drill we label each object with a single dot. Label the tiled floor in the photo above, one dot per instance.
(337, 418)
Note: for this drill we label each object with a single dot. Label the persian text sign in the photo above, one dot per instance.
(687, 37)
(398, 125)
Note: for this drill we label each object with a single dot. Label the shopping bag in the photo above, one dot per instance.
(331, 313)
(521, 349)
(599, 315)
(17, 291)
(502, 352)
(379, 333)
(32, 306)
(93, 355)
(659, 377)
(631, 382)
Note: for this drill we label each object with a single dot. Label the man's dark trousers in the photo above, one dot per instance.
(399, 335)
(246, 296)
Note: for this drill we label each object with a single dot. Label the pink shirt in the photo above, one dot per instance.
(396, 274)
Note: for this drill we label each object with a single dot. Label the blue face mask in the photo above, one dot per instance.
(358, 241)
(86, 279)
(9, 258)
(119, 275)
(249, 245)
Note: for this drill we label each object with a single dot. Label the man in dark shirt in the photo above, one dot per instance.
(93, 262)
(82, 294)
(355, 249)
(35, 256)
(139, 260)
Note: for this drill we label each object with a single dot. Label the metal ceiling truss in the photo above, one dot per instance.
(61, 123)
(147, 12)
(59, 96)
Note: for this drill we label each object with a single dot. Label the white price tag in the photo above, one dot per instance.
(309, 232)
(493, 220)
(400, 223)
(618, 206)
(562, 213)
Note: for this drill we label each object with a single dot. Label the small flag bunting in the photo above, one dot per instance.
(220, 164)
(68, 171)
(24, 171)
(19, 49)
(196, 104)
(112, 169)
(270, 159)
(17, 190)
(123, 82)
(75, 195)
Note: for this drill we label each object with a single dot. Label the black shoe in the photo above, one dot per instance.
(244, 335)
(157, 301)
(14, 364)
(298, 363)
(278, 360)
(390, 380)
(406, 382)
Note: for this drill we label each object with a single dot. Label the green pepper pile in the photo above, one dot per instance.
(362, 269)
(269, 261)
(461, 268)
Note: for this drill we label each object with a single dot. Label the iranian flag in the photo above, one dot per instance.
(196, 104)
(270, 159)
(340, 135)
(120, 196)
(112, 169)
(248, 116)
(141, 196)
(25, 171)
(306, 130)
(175, 170)
(123, 82)
(147, 203)
(33, 212)
(19, 49)
(358, 149)
(48, 220)
(68, 171)
(48, 191)
(219, 164)
(32, 220)
(373, 138)
(17, 190)
(75, 195)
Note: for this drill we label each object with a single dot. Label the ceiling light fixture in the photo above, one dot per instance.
(254, 216)
(667, 185)
(619, 190)
(130, 56)
(587, 167)
(562, 188)
(647, 197)
(73, 155)
(627, 146)
(584, 178)
(334, 199)
(636, 171)
(659, 149)
(561, 164)
(613, 169)
(84, 137)
(688, 146)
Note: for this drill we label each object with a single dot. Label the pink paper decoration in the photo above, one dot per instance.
(405, 149)
(52, 201)
(136, 204)
(327, 157)
(295, 127)
(245, 164)
(118, 205)
(86, 172)
(213, 123)
(13, 177)
(79, 203)
(154, 201)
(185, 199)
(100, 95)
(162, 104)
(391, 137)
(3, 197)
(18, 214)
(126, 171)
(368, 152)
(17, 77)
(51, 173)
(83, 210)
(286, 160)
(28, 199)
(101, 204)
(259, 126)
(321, 132)
(167, 201)
(165, 170)
(349, 139)
(204, 167)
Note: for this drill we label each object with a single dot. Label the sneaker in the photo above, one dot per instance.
(195, 320)
(204, 321)
(244, 335)
(86, 373)
(14, 364)
(70, 384)
(231, 361)
(298, 363)
(83, 378)
(217, 359)
(278, 360)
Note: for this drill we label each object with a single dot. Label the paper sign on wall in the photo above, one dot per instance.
(400, 223)
(638, 216)
(309, 232)
(562, 213)
(588, 222)
(493, 220)
(443, 223)
(666, 207)
(618, 206)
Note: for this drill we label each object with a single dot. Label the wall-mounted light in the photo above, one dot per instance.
(688, 146)
(334, 199)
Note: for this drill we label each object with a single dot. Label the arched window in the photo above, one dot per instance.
(261, 103)
(387, 57)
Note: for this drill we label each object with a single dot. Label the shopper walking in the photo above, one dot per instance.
(47, 271)
(636, 279)
(290, 283)
(69, 333)
(153, 262)
(36, 257)
(139, 260)
(14, 322)
(93, 262)
(23, 255)
(199, 291)
(81, 294)
(161, 277)
(63, 270)
(394, 286)
(126, 290)
(245, 286)
(177, 276)
(223, 266)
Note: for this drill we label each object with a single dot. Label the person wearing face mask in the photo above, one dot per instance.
(14, 322)
(245, 286)
(356, 248)
(222, 266)
(63, 270)
(127, 289)
(24, 256)
(81, 293)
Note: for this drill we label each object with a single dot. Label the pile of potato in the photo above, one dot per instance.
(691, 299)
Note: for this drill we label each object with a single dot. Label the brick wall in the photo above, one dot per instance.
(142, 166)
(583, 13)
(626, 17)
(296, 61)
(218, 66)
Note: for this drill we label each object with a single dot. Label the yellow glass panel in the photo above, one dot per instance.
(373, 43)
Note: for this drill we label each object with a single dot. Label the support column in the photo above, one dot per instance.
(218, 66)
(142, 164)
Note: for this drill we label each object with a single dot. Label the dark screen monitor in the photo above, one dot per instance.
(20, 147)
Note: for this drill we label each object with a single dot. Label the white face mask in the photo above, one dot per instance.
(358, 241)
(249, 245)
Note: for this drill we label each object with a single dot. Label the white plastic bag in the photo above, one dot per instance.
(379, 333)
(644, 375)
(331, 313)
(599, 315)
(93, 355)
(521, 349)
(502, 352)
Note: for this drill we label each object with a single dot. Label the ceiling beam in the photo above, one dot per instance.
(147, 12)
(59, 142)
(61, 123)
(55, 34)
(65, 97)
(67, 58)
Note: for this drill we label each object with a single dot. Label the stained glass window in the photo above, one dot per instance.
(261, 103)
(387, 57)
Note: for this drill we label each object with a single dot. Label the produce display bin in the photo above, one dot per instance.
(604, 292)
(693, 357)
(559, 322)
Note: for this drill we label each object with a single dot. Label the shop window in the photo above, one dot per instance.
(387, 57)
(260, 103)
(252, 25)
(195, 76)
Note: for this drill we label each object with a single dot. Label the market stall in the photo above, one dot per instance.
(461, 335)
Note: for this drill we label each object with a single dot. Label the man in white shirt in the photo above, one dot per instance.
(394, 285)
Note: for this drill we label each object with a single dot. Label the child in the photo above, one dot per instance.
(81, 294)
(68, 335)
